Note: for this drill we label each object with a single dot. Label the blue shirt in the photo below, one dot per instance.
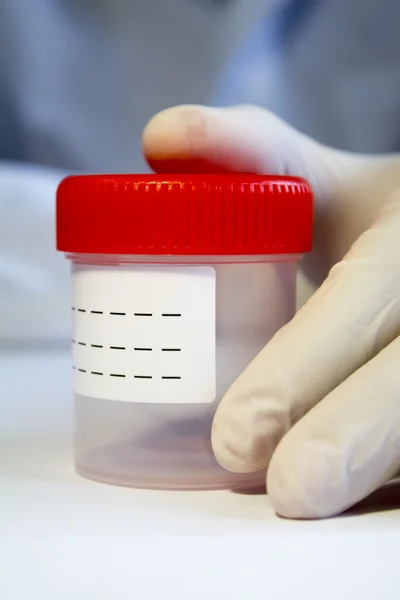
(331, 68)
(79, 79)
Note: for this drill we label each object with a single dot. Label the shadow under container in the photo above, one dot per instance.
(178, 282)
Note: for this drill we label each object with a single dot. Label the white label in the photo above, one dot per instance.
(144, 333)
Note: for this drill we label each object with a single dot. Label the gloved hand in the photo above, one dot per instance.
(320, 406)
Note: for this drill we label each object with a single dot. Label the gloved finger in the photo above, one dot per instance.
(354, 314)
(240, 139)
(249, 139)
(345, 448)
(348, 189)
(246, 139)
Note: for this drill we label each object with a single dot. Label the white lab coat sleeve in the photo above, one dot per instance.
(34, 278)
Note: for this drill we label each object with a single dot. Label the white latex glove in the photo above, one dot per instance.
(320, 406)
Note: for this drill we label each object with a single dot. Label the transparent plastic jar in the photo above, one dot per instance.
(177, 284)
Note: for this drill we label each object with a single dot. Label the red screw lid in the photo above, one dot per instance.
(184, 214)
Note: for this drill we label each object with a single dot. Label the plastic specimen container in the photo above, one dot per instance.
(178, 282)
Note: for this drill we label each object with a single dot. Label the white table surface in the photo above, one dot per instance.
(62, 537)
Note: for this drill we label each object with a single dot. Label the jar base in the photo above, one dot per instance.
(97, 466)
